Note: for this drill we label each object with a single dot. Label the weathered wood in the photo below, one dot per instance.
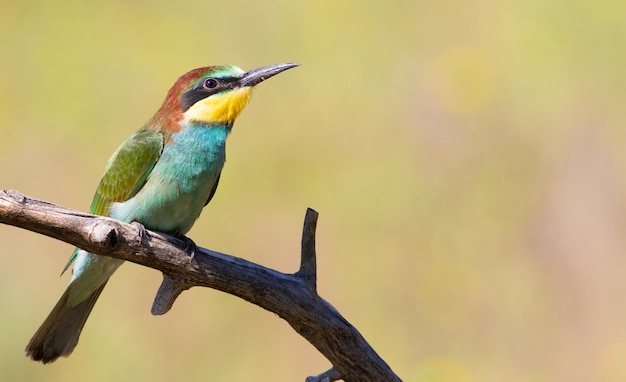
(291, 296)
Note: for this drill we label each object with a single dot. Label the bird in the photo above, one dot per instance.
(161, 177)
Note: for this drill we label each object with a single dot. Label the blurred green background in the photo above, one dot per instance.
(466, 158)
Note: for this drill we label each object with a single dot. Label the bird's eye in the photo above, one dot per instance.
(210, 83)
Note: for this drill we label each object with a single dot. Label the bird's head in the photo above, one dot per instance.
(214, 94)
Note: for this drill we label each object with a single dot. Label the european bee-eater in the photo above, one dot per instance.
(162, 177)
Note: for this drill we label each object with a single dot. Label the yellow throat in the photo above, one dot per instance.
(221, 107)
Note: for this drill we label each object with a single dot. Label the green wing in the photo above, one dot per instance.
(126, 172)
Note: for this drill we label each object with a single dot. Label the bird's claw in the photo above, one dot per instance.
(142, 231)
(190, 246)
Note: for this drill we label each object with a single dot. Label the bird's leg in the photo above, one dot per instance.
(190, 246)
(142, 231)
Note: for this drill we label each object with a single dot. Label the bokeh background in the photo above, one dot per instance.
(466, 158)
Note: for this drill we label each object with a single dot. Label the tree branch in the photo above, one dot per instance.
(291, 296)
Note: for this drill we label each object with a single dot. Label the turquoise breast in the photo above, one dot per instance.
(180, 183)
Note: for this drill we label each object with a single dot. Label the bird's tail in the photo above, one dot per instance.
(58, 335)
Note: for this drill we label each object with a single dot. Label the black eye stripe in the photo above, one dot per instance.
(206, 88)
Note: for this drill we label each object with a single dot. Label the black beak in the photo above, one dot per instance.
(255, 76)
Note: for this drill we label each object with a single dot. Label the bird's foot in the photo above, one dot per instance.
(190, 246)
(142, 231)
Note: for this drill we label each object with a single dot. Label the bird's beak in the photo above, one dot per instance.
(255, 76)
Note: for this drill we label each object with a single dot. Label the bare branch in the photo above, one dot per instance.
(328, 376)
(291, 296)
(169, 290)
(308, 262)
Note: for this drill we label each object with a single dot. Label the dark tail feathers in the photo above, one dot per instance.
(58, 335)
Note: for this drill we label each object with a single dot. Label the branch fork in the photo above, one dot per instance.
(293, 297)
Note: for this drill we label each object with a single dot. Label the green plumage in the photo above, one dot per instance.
(125, 173)
(161, 176)
(127, 170)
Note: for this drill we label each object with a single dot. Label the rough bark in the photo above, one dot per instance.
(293, 297)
